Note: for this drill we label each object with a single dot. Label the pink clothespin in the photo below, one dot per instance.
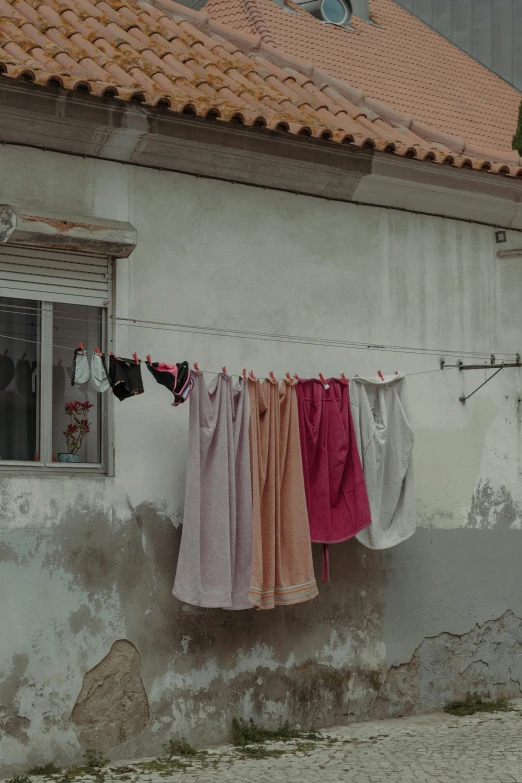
(224, 370)
(97, 351)
(343, 376)
(272, 376)
(381, 376)
(148, 358)
(251, 375)
(135, 357)
(289, 376)
(80, 346)
(323, 381)
(196, 366)
(297, 377)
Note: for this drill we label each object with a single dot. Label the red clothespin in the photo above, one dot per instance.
(272, 376)
(97, 351)
(343, 376)
(252, 376)
(135, 357)
(80, 346)
(148, 358)
(196, 366)
(381, 376)
(244, 374)
(323, 379)
(224, 370)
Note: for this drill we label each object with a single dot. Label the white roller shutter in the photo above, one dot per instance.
(54, 277)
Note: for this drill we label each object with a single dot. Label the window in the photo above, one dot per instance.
(44, 420)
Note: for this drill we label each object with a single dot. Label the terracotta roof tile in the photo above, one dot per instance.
(398, 59)
(165, 53)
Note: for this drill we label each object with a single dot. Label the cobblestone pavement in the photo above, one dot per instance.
(483, 748)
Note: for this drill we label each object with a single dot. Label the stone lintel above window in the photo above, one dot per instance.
(68, 233)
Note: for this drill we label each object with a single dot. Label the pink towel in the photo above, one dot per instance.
(215, 557)
(336, 494)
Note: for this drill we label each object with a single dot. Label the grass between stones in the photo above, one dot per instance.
(472, 704)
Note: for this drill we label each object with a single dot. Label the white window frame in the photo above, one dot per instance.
(45, 464)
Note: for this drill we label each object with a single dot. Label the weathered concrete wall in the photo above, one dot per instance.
(98, 652)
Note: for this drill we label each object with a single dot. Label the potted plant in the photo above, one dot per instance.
(76, 430)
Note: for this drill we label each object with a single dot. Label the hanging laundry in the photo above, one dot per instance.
(282, 567)
(125, 377)
(215, 558)
(25, 377)
(336, 494)
(80, 368)
(99, 374)
(385, 442)
(176, 377)
(7, 370)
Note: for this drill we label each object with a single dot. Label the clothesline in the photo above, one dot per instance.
(275, 337)
(206, 372)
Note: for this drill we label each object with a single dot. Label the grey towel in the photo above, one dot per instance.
(385, 442)
(215, 558)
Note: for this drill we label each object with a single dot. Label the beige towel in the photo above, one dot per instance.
(282, 568)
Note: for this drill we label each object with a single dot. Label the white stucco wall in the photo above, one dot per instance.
(228, 256)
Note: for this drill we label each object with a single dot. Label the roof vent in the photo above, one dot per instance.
(338, 12)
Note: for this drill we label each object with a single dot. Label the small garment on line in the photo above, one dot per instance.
(125, 377)
(80, 373)
(336, 494)
(177, 378)
(385, 441)
(99, 375)
(282, 566)
(215, 557)
(26, 377)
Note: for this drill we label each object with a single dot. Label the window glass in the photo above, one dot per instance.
(19, 379)
(77, 410)
(334, 11)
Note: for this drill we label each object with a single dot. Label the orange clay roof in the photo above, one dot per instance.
(170, 55)
(398, 59)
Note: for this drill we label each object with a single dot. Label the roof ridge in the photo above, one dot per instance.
(258, 22)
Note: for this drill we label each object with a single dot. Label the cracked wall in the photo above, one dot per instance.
(87, 563)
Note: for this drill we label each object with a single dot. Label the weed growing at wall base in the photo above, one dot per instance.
(476, 703)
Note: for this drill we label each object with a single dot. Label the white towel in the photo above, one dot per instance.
(385, 442)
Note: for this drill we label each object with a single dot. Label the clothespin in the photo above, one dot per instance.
(343, 376)
(251, 375)
(135, 357)
(297, 377)
(272, 376)
(23, 356)
(6, 351)
(148, 358)
(323, 379)
(60, 362)
(80, 346)
(196, 366)
(289, 376)
(224, 370)
(396, 372)
(381, 376)
(97, 351)
(244, 374)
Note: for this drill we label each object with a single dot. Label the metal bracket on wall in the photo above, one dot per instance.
(491, 366)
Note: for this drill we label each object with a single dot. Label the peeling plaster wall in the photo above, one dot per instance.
(87, 563)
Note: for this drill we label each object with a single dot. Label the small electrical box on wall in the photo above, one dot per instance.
(508, 252)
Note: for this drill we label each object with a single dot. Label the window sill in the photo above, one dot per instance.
(37, 468)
